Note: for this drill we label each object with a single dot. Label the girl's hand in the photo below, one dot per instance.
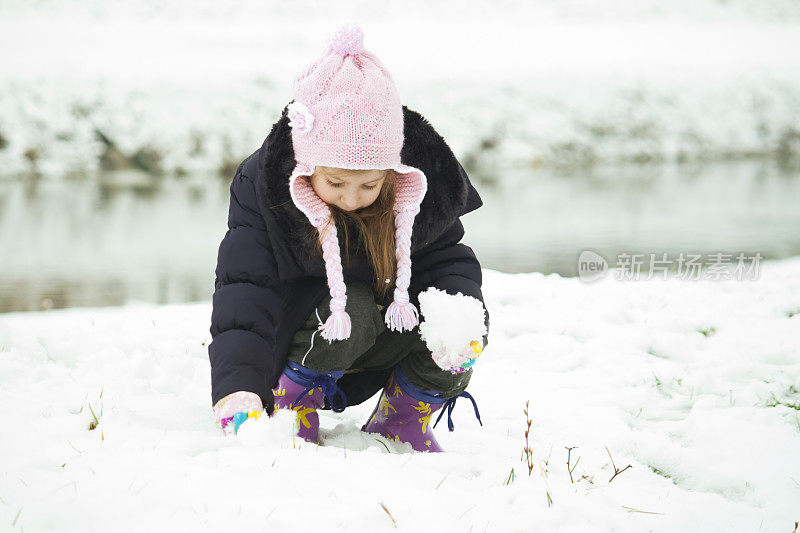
(230, 424)
(234, 409)
(453, 328)
(459, 362)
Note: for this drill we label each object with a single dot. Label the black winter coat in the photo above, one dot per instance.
(268, 280)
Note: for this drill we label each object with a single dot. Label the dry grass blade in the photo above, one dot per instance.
(384, 445)
(388, 513)
(633, 510)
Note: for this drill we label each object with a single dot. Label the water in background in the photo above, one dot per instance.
(136, 237)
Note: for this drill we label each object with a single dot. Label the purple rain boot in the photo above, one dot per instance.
(304, 390)
(404, 412)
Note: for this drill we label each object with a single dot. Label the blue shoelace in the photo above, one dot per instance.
(312, 380)
(450, 404)
(434, 397)
(329, 388)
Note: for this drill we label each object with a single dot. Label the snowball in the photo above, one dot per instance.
(451, 323)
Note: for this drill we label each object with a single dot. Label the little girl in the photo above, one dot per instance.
(297, 326)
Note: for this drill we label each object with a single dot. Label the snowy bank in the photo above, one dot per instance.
(694, 384)
(183, 88)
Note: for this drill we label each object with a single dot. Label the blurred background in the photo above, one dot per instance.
(615, 125)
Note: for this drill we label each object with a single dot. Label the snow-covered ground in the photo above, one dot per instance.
(189, 87)
(688, 382)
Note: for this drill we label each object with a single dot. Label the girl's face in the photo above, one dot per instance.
(347, 189)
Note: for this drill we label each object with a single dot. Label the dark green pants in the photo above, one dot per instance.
(372, 346)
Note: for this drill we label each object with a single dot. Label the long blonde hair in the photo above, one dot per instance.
(375, 225)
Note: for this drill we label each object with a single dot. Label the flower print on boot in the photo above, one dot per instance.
(304, 390)
(404, 413)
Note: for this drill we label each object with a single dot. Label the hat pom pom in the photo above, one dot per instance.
(349, 40)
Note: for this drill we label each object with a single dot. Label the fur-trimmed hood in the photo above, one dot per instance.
(450, 193)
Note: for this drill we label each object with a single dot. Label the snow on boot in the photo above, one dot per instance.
(304, 390)
(404, 412)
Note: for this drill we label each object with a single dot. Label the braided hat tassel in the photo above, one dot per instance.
(338, 326)
(402, 315)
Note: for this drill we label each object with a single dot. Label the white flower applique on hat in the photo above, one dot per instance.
(300, 118)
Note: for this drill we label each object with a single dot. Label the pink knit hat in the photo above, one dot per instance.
(347, 114)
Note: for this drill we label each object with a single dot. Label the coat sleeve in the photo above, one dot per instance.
(246, 301)
(448, 265)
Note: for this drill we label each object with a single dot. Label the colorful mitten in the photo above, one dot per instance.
(232, 410)
(453, 328)
(459, 362)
